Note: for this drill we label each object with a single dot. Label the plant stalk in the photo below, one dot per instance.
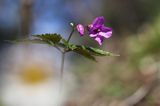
(70, 35)
(61, 74)
(62, 68)
(62, 61)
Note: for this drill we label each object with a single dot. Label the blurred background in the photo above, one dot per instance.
(29, 73)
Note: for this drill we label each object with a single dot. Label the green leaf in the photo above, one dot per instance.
(72, 47)
(49, 38)
(99, 52)
(84, 52)
(93, 51)
(65, 42)
(26, 41)
(57, 41)
(88, 52)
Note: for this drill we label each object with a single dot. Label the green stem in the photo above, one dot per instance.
(62, 69)
(62, 64)
(62, 60)
(70, 35)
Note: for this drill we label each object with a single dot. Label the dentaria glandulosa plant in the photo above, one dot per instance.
(96, 30)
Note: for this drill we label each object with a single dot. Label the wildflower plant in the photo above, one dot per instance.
(96, 30)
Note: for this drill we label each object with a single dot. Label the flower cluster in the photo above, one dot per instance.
(96, 30)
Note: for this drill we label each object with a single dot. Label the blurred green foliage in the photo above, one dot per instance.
(146, 43)
(119, 78)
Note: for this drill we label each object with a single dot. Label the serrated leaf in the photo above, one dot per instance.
(26, 41)
(99, 52)
(49, 38)
(94, 51)
(84, 52)
(89, 52)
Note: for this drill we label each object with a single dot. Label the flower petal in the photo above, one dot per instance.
(105, 34)
(105, 29)
(93, 35)
(98, 21)
(80, 29)
(99, 40)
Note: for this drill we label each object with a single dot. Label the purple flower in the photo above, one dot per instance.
(98, 31)
(80, 29)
